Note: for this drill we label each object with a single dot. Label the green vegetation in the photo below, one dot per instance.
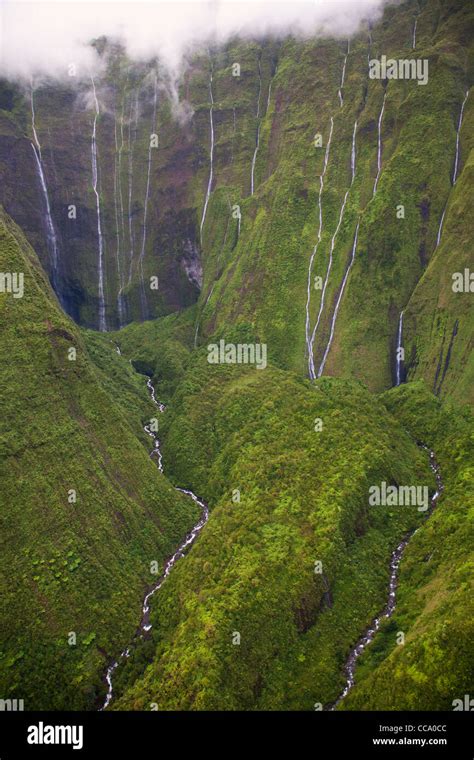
(71, 567)
(281, 502)
(435, 606)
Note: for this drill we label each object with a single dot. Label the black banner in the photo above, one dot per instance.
(115, 734)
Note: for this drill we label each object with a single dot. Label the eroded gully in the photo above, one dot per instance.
(189, 539)
(388, 610)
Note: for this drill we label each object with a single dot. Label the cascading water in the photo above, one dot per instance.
(51, 236)
(413, 42)
(257, 139)
(95, 185)
(211, 169)
(315, 249)
(119, 213)
(456, 161)
(388, 610)
(118, 248)
(399, 354)
(339, 92)
(353, 151)
(456, 167)
(379, 148)
(131, 145)
(440, 228)
(338, 302)
(145, 624)
(330, 260)
(143, 298)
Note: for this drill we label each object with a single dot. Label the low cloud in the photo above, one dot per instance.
(40, 38)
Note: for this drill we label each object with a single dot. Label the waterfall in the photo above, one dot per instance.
(308, 295)
(379, 149)
(456, 168)
(413, 44)
(51, 236)
(456, 162)
(399, 350)
(353, 152)
(211, 170)
(131, 145)
(119, 213)
(257, 142)
(143, 298)
(440, 228)
(338, 302)
(331, 252)
(326, 280)
(120, 304)
(95, 183)
(339, 92)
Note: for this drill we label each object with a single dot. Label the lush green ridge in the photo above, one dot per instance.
(303, 498)
(71, 567)
(435, 606)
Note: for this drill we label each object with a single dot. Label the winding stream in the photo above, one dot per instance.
(387, 611)
(189, 539)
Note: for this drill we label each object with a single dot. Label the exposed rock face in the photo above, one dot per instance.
(254, 251)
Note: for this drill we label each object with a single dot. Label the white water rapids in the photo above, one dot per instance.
(388, 610)
(95, 185)
(145, 624)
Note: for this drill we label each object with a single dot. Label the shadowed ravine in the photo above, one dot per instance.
(145, 624)
(388, 610)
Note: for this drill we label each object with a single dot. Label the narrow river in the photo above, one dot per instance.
(388, 610)
(145, 624)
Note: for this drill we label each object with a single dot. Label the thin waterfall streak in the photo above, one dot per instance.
(211, 168)
(328, 271)
(143, 298)
(456, 162)
(51, 235)
(440, 228)
(131, 145)
(315, 249)
(257, 142)
(95, 185)
(398, 356)
(338, 302)
(353, 152)
(379, 149)
(117, 228)
(413, 43)
(339, 92)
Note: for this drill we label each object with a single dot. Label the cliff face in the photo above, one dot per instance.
(258, 122)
